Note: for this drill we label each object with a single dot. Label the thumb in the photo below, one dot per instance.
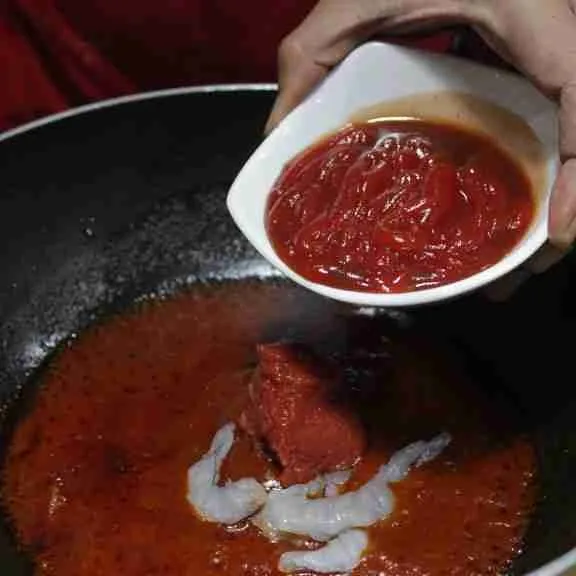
(306, 56)
(297, 76)
(335, 27)
(328, 34)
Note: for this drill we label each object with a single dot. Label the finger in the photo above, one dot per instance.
(298, 75)
(563, 207)
(540, 38)
(563, 202)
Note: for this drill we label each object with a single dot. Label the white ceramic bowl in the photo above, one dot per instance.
(373, 75)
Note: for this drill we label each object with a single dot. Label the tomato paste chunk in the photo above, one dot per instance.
(299, 413)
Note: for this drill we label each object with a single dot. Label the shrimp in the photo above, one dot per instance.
(291, 511)
(334, 481)
(340, 555)
(228, 504)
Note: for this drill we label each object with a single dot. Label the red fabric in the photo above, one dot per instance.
(60, 53)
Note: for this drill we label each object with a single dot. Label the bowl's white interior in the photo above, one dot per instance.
(373, 74)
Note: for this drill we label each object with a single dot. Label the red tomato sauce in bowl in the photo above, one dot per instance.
(398, 205)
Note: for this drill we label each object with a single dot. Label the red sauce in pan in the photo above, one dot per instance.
(394, 206)
(95, 476)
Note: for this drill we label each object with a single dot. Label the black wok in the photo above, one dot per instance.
(105, 205)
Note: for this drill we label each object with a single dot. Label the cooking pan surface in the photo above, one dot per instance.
(107, 206)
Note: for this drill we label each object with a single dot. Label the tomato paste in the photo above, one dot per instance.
(298, 410)
(398, 205)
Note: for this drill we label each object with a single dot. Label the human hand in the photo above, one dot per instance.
(537, 37)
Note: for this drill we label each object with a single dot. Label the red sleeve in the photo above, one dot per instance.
(27, 90)
(60, 53)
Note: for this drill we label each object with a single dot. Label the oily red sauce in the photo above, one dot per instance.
(394, 206)
(95, 476)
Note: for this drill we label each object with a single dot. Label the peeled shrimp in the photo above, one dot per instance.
(334, 481)
(340, 555)
(290, 511)
(228, 504)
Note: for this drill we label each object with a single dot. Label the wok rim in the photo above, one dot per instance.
(557, 567)
(137, 97)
